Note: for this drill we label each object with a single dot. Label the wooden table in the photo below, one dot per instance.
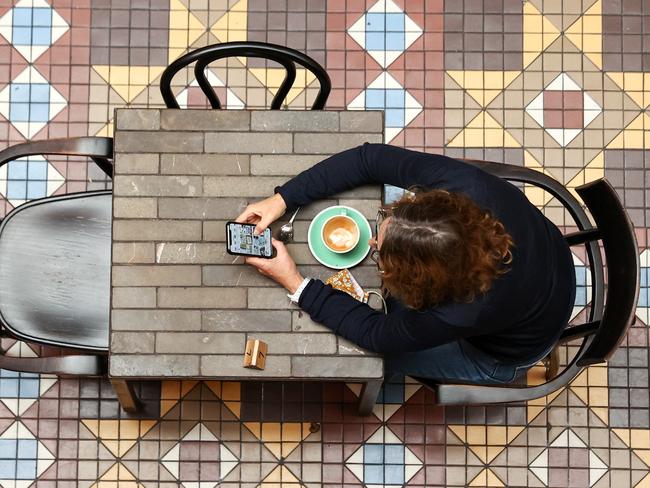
(181, 307)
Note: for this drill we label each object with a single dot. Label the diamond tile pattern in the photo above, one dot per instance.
(561, 87)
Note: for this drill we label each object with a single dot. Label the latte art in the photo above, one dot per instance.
(340, 233)
(341, 238)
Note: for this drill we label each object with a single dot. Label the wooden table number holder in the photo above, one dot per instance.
(255, 354)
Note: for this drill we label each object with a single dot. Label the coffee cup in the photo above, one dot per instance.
(340, 233)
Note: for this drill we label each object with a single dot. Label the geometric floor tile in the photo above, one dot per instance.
(281, 477)
(643, 307)
(19, 391)
(568, 461)
(29, 178)
(32, 26)
(29, 102)
(199, 459)
(583, 287)
(563, 109)
(193, 96)
(280, 438)
(385, 31)
(23, 458)
(486, 441)
(117, 476)
(118, 435)
(394, 392)
(385, 93)
(383, 460)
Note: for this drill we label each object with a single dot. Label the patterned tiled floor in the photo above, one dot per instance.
(561, 87)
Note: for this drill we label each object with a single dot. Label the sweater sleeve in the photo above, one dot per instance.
(368, 164)
(403, 331)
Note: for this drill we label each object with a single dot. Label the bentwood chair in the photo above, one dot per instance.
(282, 55)
(55, 268)
(613, 301)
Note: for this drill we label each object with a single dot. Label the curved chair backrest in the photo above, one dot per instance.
(622, 255)
(99, 149)
(285, 56)
(607, 323)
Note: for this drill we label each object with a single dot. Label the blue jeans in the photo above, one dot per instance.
(454, 362)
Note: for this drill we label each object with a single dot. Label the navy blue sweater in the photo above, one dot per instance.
(522, 314)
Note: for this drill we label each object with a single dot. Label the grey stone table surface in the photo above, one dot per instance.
(181, 306)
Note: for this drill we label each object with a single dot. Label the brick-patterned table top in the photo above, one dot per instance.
(181, 305)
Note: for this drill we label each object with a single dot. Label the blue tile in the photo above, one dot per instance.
(375, 98)
(39, 112)
(375, 22)
(394, 454)
(394, 474)
(42, 16)
(395, 22)
(42, 36)
(38, 170)
(395, 98)
(392, 194)
(16, 190)
(373, 454)
(39, 93)
(26, 470)
(28, 387)
(19, 92)
(375, 41)
(644, 276)
(22, 16)
(581, 297)
(17, 170)
(21, 36)
(7, 449)
(27, 449)
(8, 469)
(394, 117)
(19, 112)
(9, 387)
(643, 297)
(373, 474)
(36, 189)
(581, 275)
(395, 41)
(5, 373)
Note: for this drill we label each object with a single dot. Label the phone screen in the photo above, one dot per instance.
(242, 241)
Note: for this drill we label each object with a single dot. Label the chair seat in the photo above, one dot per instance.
(55, 257)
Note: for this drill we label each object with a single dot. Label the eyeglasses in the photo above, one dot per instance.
(382, 213)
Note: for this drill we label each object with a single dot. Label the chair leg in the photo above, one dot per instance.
(552, 363)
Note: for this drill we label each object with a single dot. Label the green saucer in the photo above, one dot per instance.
(332, 259)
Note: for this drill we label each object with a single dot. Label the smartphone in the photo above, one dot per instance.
(240, 241)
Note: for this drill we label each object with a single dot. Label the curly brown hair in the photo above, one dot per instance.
(441, 246)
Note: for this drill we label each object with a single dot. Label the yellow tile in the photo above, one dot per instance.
(184, 29)
(233, 25)
(634, 136)
(538, 32)
(597, 375)
(483, 131)
(586, 34)
(598, 397)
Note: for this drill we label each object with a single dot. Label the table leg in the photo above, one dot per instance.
(125, 395)
(368, 396)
